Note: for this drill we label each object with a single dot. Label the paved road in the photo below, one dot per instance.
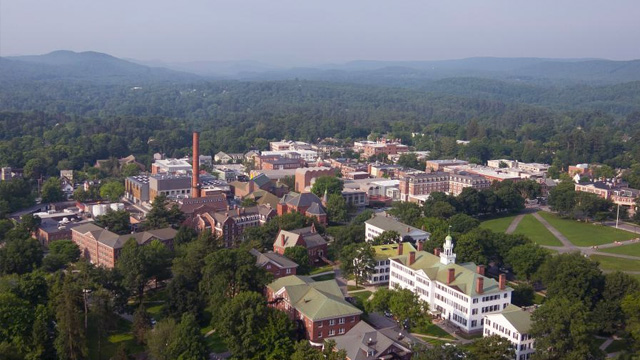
(514, 224)
(624, 226)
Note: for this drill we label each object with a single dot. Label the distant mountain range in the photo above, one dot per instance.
(84, 66)
(94, 66)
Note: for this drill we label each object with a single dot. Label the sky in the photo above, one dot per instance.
(306, 32)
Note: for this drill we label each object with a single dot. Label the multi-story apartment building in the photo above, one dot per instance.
(318, 307)
(439, 165)
(619, 195)
(381, 223)
(307, 204)
(414, 186)
(102, 247)
(513, 324)
(305, 176)
(461, 294)
(384, 147)
(230, 224)
(382, 267)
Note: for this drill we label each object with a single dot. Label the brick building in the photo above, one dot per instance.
(307, 204)
(230, 224)
(306, 237)
(102, 247)
(413, 186)
(278, 265)
(304, 176)
(318, 307)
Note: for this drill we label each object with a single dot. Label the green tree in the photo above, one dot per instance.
(300, 256)
(525, 260)
(630, 306)
(52, 191)
(112, 191)
(131, 264)
(387, 237)
(30, 222)
(184, 236)
(337, 209)
(522, 295)
(250, 329)
(573, 277)
(462, 223)
(380, 301)
(439, 209)
(439, 353)
(160, 216)
(80, 194)
(61, 253)
(141, 324)
(20, 256)
(409, 160)
(492, 347)
(562, 198)
(404, 304)
(608, 313)
(563, 330)
(289, 181)
(406, 212)
(358, 260)
(70, 342)
(16, 317)
(115, 221)
(130, 170)
(304, 351)
(187, 343)
(159, 339)
(329, 184)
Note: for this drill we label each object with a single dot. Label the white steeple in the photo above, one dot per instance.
(447, 256)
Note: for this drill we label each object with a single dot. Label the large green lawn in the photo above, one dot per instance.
(633, 250)
(431, 329)
(613, 263)
(499, 225)
(586, 234)
(534, 230)
(362, 295)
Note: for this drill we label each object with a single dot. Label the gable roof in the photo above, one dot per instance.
(116, 241)
(317, 300)
(465, 274)
(518, 318)
(311, 238)
(387, 223)
(274, 258)
(315, 209)
(362, 339)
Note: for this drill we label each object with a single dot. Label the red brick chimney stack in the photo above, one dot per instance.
(400, 246)
(436, 252)
(479, 284)
(412, 257)
(480, 269)
(502, 281)
(451, 276)
(419, 245)
(195, 177)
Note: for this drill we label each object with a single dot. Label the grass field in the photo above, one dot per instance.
(499, 225)
(324, 277)
(633, 250)
(362, 295)
(534, 230)
(321, 269)
(353, 288)
(613, 263)
(214, 342)
(586, 234)
(431, 329)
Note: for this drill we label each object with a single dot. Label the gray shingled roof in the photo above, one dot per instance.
(363, 338)
(316, 209)
(387, 223)
(274, 258)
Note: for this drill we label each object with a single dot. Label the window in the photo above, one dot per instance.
(341, 321)
(332, 322)
(332, 332)
(268, 266)
(341, 331)
(288, 271)
(320, 334)
(505, 295)
(474, 323)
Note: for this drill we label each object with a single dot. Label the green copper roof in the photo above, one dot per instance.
(390, 250)
(465, 274)
(317, 300)
(518, 318)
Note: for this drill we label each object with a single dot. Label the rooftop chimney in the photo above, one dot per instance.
(451, 275)
(419, 245)
(479, 284)
(195, 176)
(480, 269)
(412, 257)
(400, 246)
(282, 238)
(502, 281)
(436, 252)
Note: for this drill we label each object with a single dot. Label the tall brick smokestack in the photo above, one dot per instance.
(195, 177)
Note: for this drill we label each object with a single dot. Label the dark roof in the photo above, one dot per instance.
(363, 339)
(274, 258)
(316, 209)
(261, 180)
(117, 241)
(311, 238)
(300, 200)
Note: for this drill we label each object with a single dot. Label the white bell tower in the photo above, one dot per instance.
(447, 256)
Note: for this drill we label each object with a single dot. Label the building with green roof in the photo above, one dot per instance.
(514, 325)
(459, 293)
(380, 273)
(318, 306)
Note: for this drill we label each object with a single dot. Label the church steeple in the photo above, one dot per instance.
(447, 256)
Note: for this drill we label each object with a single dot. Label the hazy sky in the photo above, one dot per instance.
(294, 32)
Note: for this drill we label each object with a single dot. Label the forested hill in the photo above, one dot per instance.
(87, 66)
